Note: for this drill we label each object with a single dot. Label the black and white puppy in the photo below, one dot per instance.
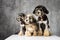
(40, 11)
(20, 19)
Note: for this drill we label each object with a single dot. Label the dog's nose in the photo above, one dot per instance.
(26, 20)
(38, 12)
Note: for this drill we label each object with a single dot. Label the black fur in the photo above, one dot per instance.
(22, 21)
(42, 8)
(21, 14)
(24, 30)
(33, 20)
(42, 25)
(44, 17)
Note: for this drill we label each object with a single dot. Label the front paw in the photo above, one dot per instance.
(46, 33)
(27, 33)
(20, 33)
(34, 33)
(39, 33)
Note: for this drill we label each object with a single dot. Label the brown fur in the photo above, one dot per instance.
(41, 12)
(40, 32)
(20, 33)
(31, 28)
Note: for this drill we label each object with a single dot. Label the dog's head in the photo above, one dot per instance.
(29, 19)
(21, 17)
(40, 10)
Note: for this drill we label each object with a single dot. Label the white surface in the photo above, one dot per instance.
(17, 37)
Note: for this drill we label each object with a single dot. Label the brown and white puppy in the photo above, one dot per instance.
(20, 19)
(30, 24)
(41, 11)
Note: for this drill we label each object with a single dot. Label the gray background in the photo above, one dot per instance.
(10, 8)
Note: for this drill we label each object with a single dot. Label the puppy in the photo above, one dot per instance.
(40, 11)
(20, 19)
(30, 24)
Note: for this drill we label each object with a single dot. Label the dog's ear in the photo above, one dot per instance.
(34, 20)
(34, 11)
(21, 14)
(18, 19)
(45, 10)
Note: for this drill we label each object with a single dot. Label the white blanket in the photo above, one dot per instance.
(17, 37)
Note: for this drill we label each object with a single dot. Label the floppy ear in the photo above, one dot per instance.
(45, 10)
(18, 19)
(34, 11)
(34, 20)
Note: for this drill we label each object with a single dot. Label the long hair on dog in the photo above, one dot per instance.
(30, 24)
(20, 19)
(41, 8)
(41, 12)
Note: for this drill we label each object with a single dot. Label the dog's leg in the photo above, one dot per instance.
(34, 33)
(49, 32)
(20, 33)
(40, 32)
(46, 31)
(27, 33)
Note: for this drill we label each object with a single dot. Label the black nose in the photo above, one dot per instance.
(38, 12)
(26, 20)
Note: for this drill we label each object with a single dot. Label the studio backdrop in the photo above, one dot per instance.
(9, 10)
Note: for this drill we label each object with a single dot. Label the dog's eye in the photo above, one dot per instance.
(40, 10)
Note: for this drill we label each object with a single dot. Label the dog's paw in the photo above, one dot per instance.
(46, 33)
(27, 33)
(20, 33)
(39, 33)
(34, 33)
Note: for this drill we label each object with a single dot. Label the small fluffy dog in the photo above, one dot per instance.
(40, 11)
(30, 24)
(20, 19)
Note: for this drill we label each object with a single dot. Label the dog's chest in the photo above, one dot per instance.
(30, 27)
(45, 22)
(42, 19)
(22, 24)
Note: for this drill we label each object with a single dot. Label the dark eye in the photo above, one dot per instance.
(40, 10)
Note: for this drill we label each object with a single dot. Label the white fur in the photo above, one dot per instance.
(22, 25)
(45, 22)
